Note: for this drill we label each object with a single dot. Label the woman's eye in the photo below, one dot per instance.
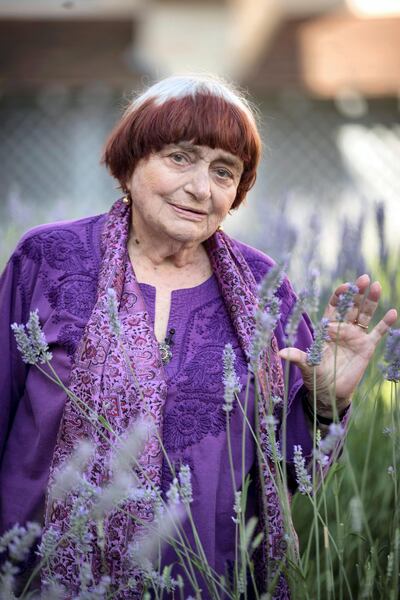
(178, 157)
(224, 174)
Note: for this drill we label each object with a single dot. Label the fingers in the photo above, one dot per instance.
(383, 326)
(369, 304)
(362, 283)
(299, 358)
(294, 355)
(364, 305)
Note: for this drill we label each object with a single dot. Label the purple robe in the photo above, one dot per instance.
(54, 269)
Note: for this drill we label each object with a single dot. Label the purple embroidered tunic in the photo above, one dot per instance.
(55, 270)
(194, 425)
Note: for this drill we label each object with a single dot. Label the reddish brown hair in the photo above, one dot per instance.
(203, 118)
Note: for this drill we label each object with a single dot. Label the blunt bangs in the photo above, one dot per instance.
(202, 118)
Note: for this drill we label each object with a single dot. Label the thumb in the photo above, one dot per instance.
(294, 355)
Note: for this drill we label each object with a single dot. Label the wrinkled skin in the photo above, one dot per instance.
(355, 346)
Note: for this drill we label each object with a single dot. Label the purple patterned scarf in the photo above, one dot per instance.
(105, 378)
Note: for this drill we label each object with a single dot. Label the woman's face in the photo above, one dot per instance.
(184, 191)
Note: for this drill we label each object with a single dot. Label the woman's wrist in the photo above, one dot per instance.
(325, 412)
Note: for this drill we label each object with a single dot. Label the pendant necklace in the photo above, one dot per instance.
(165, 347)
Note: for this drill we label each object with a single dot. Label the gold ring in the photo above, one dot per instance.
(360, 325)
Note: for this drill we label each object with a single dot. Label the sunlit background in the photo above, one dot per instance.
(324, 74)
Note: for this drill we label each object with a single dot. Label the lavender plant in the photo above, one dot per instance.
(346, 302)
(392, 356)
(303, 478)
(31, 341)
(314, 353)
(230, 379)
(267, 314)
(345, 529)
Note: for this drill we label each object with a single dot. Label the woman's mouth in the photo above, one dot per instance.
(190, 214)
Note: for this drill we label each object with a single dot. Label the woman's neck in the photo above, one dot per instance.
(159, 250)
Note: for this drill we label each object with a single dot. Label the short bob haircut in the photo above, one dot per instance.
(200, 109)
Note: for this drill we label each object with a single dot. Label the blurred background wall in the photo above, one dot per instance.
(324, 75)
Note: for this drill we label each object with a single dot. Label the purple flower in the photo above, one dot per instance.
(19, 540)
(31, 341)
(350, 259)
(230, 379)
(48, 543)
(185, 481)
(237, 507)
(266, 318)
(8, 573)
(273, 445)
(302, 476)
(334, 435)
(314, 353)
(313, 291)
(380, 224)
(346, 302)
(173, 493)
(270, 284)
(392, 356)
(295, 316)
(276, 400)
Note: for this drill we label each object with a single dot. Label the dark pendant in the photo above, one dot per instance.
(165, 351)
(165, 347)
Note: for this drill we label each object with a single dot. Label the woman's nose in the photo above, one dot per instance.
(199, 183)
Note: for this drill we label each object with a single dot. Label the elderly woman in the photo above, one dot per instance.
(185, 153)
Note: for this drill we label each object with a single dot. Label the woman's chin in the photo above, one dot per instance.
(187, 232)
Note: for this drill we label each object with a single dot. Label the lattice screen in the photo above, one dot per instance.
(315, 159)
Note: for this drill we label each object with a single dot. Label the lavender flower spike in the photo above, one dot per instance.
(392, 356)
(269, 285)
(314, 353)
(237, 507)
(112, 309)
(302, 476)
(173, 493)
(231, 381)
(273, 445)
(346, 302)
(266, 321)
(312, 300)
(18, 540)
(295, 316)
(48, 543)
(31, 341)
(334, 435)
(69, 475)
(185, 480)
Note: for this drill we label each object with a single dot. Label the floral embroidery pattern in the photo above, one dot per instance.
(189, 423)
(72, 293)
(200, 393)
(62, 249)
(69, 337)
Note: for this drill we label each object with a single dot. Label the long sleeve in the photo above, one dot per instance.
(54, 270)
(12, 370)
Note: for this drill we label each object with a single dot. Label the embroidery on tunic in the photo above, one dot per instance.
(72, 293)
(197, 410)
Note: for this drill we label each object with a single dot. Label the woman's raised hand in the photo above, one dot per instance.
(350, 340)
